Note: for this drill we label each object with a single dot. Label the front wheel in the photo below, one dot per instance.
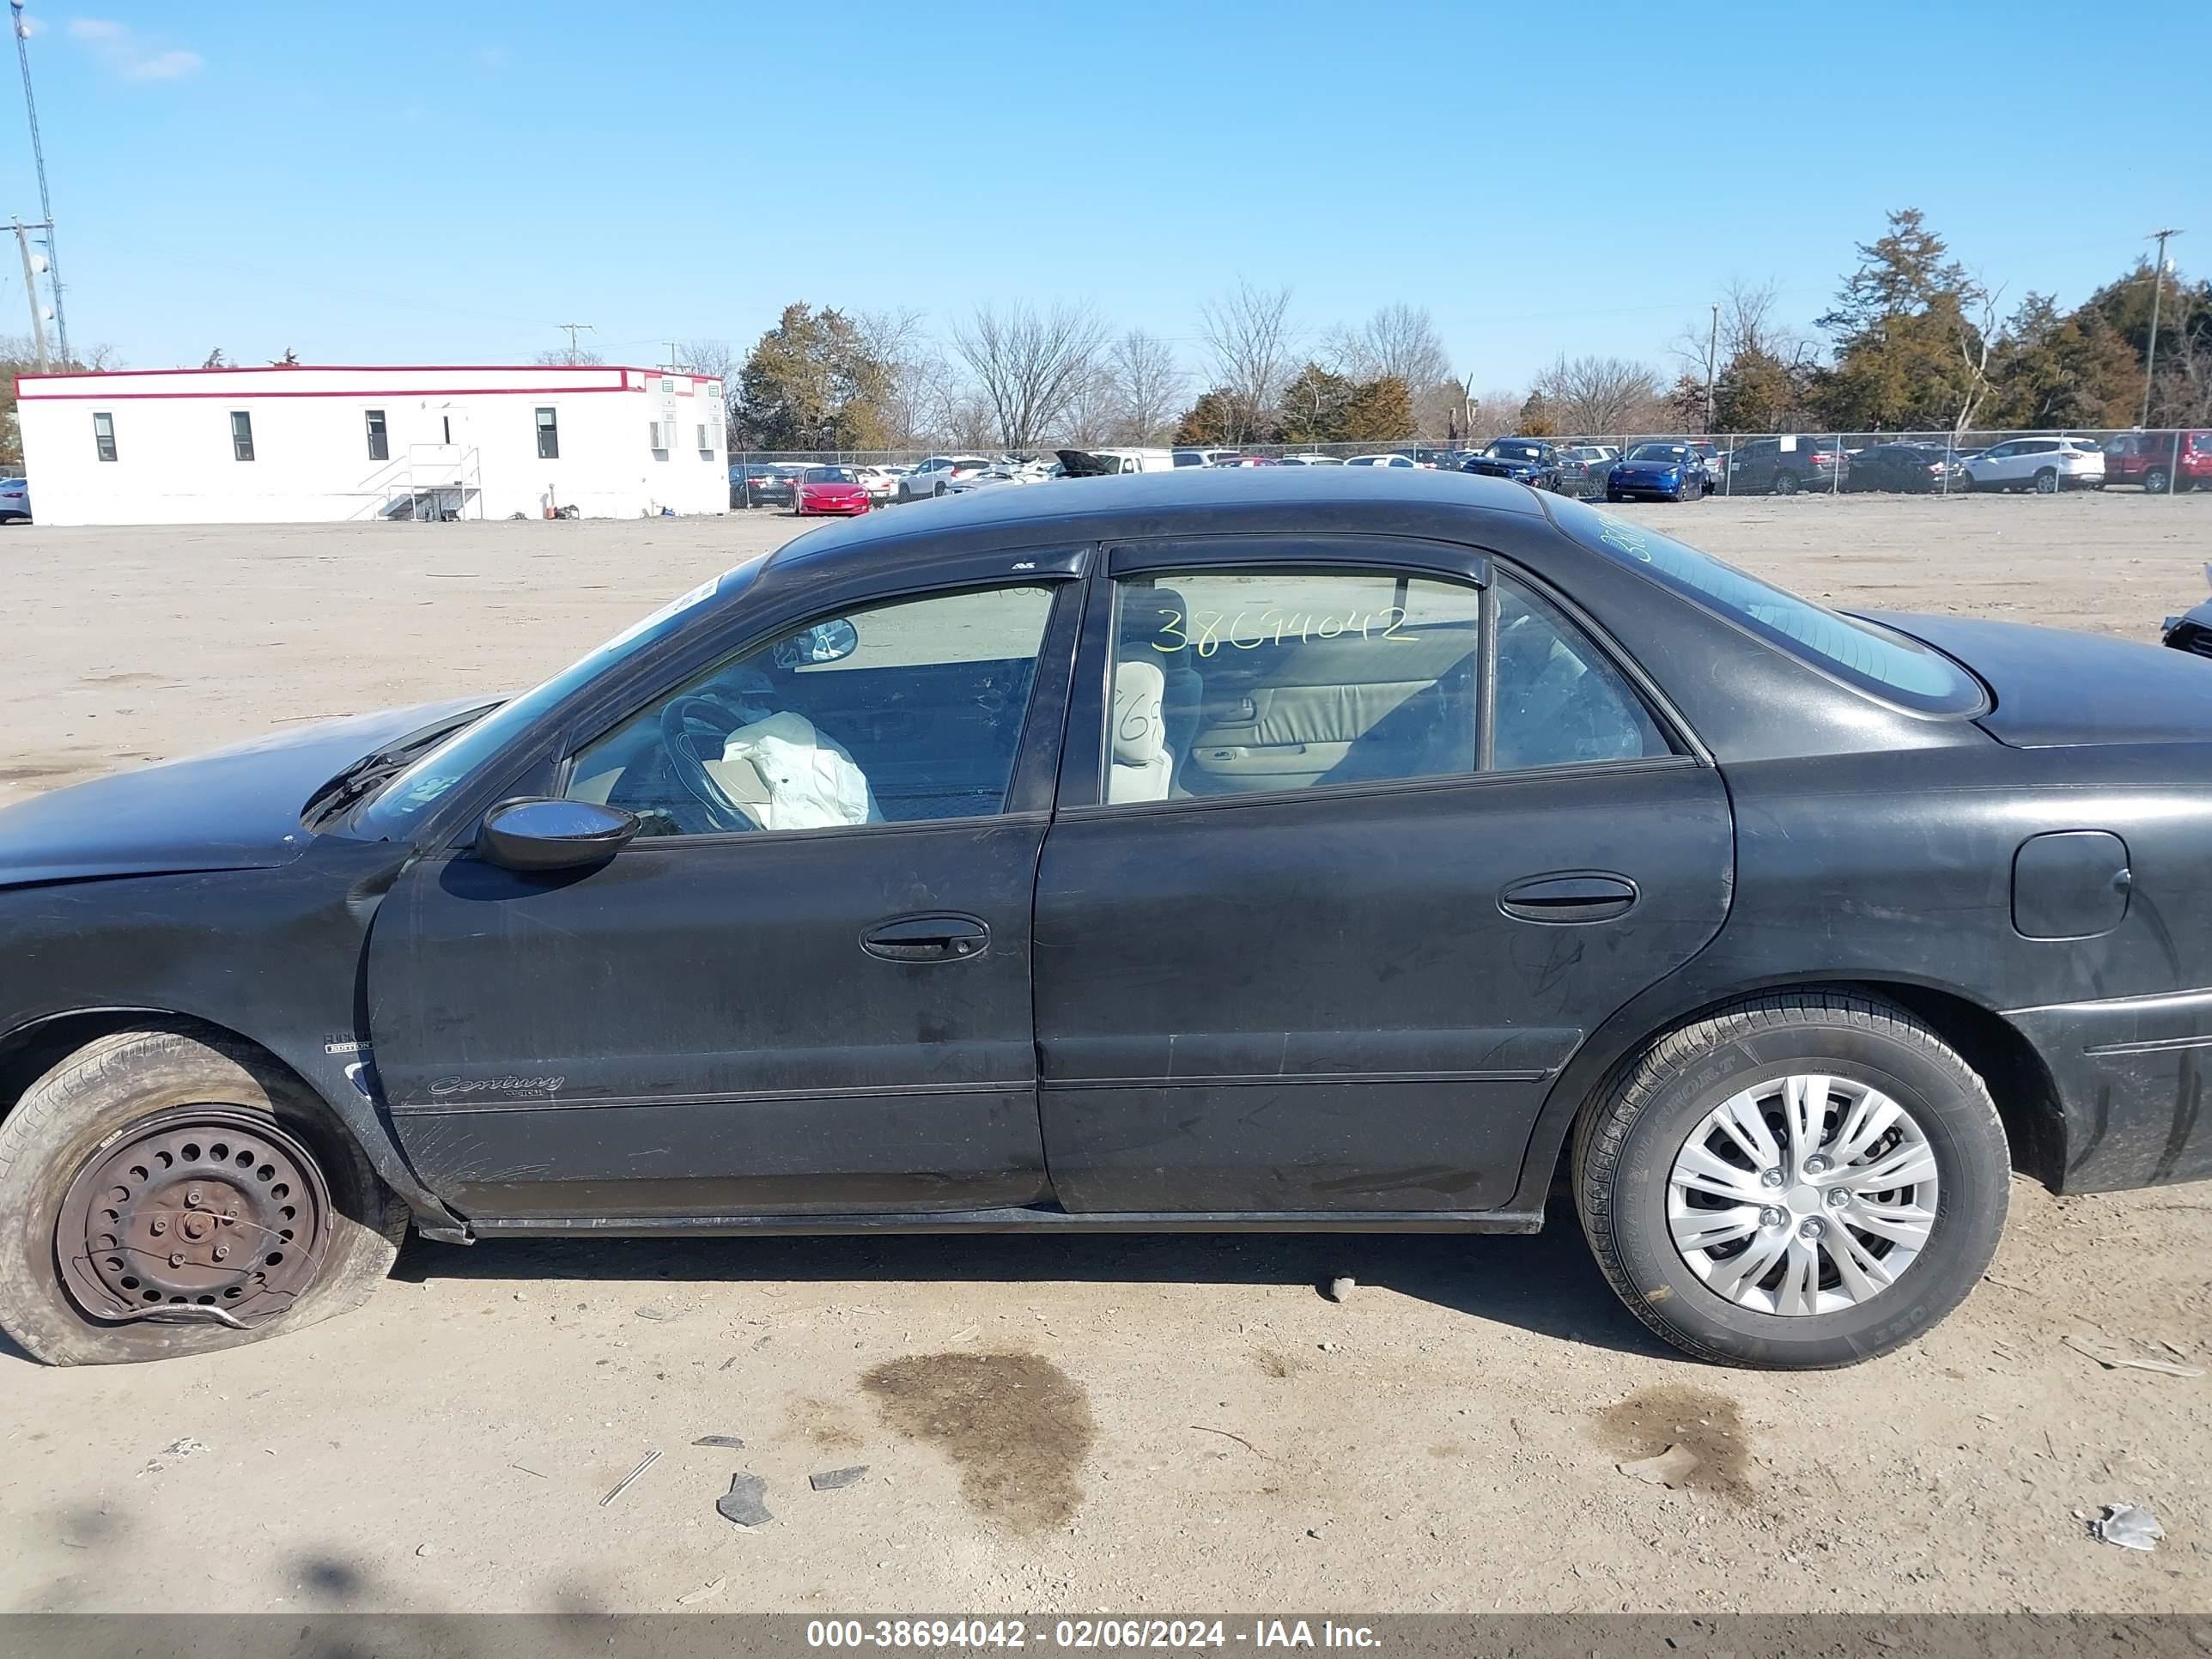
(168, 1194)
(1796, 1182)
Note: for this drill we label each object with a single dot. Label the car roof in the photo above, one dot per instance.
(1185, 502)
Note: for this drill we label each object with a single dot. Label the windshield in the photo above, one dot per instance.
(1659, 453)
(402, 802)
(1517, 452)
(1866, 654)
(829, 475)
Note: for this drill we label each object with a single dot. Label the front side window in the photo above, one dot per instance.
(1875, 658)
(901, 712)
(103, 436)
(1237, 682)
(379, 442)
(241, 435)
(548, 435)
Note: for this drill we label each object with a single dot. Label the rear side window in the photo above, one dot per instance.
(1875, 659)
(1258, 681)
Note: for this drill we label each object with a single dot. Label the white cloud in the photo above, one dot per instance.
(119, 48)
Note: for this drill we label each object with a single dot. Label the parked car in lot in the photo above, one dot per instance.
(1582, 467)
(1114, 460)
(830, 489)
(14, 500)
(2159, 461)
(1659, 471)
(1531, 461)
(1786, 464)
(1200, 457)
(881, 482)
(931, 476)
(674, 942)
(2046, 465)
(1310, 460)
(1232, 458)
(1406, 462)
(764, 483)
(1911, 469)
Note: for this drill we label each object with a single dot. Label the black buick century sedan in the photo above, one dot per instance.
(1337, 849)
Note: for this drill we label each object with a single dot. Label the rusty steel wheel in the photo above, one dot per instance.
(196, 1206)
(173, 1190)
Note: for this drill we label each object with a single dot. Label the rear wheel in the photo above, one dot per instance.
(1785, 483)
(2157, 481)
(1797, 1182)
(162, 1194)
(2046, 482)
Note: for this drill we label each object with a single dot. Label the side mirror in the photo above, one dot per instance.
(553, 834)
(823, 642)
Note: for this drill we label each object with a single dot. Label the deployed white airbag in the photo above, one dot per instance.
(809, 781)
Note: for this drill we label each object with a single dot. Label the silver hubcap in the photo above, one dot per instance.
(1803, 1194)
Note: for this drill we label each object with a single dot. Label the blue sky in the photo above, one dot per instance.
(406, 182)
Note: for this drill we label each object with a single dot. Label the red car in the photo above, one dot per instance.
(824, 490)
(2160, 460)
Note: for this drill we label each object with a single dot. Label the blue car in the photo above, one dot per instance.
(1530, 461)
(1659, 471)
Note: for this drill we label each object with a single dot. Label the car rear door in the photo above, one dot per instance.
(807, 990)
(1356, 844)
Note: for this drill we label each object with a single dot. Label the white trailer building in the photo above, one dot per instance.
(308, 445)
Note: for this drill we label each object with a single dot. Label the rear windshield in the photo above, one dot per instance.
(1866, 654)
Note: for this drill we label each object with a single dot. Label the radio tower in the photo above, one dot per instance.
(45, 202)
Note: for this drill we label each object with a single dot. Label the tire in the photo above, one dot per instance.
(904, 494)
(1613, 497)
(938, 492)
(1785, 483)
(93, 1107)
(2046, 482)
(2156, 481)
(1628, 1140)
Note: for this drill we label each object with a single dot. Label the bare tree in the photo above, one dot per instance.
(1093, 412)
(1030, 366)
(1146, 386)
(1977, 335)
(569, 356)
(1246, 334)
(917, 379)
(714, 359)
(1399, 340)
(1599, 395)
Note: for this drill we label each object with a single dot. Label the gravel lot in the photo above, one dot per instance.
(1063, 1424)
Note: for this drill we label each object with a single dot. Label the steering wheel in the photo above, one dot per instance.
(683, 724)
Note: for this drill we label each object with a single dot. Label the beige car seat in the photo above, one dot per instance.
(1142, 767)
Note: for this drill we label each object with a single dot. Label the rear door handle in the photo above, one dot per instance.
(926, 938)
(1568, 895)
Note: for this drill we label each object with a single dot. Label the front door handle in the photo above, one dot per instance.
(926, 938)
(1568, 895)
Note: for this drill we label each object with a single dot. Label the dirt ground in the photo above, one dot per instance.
(1064, 1425)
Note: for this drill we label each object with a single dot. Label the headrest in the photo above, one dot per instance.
(1147, 613)
(1140, 735)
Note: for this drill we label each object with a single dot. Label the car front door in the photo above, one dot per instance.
(804, 988)
(1356, 845)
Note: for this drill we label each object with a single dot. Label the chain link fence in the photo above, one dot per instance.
(2045, 461)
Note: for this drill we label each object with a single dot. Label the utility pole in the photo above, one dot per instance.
(2157, 288)
(39, 155)
(1712, 364)
(31, 292)
(571, 329)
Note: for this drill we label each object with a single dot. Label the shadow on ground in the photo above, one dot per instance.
(1547, 1284)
